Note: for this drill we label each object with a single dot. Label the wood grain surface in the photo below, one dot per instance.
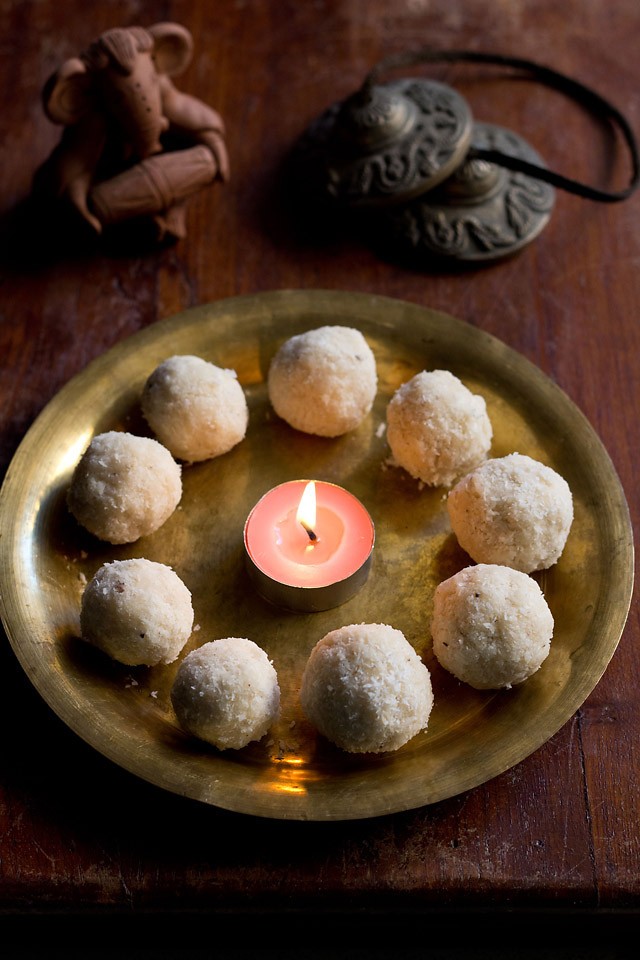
(557, 835)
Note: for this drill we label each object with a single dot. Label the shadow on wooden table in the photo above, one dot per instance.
(452, 936)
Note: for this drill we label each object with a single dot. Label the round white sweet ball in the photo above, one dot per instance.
(196, 409)
(366, 689)
(124, 487)
(138, 612)
(226, 693)
(514, 511)
(437, 428)
(491, 626)
(323, 381)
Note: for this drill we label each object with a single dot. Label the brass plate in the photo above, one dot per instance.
(292, 773)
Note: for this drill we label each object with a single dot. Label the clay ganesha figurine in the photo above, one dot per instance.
(121, 111)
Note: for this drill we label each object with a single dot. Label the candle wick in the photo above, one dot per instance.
(310, 532)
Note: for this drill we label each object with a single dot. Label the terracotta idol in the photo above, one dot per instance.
(134, 146)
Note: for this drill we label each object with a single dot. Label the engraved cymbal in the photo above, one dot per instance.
(483, 212)
(386, 144)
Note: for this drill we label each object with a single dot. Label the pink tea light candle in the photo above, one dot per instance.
(308, 545)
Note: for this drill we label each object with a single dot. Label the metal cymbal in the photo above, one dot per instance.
(483, 212)
(386, 144)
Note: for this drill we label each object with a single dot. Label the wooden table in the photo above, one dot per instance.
(552, 844)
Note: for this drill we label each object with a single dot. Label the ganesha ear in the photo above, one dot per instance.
(173, 46)
(68, 95)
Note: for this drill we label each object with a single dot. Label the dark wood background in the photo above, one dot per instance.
(557, 835)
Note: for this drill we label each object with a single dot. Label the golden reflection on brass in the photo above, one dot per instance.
(125, 713)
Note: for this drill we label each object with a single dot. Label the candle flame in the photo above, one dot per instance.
(306, 513)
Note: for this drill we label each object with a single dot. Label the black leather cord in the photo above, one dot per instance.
(552, 78)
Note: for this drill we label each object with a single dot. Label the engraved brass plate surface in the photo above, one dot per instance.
(292, 773)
